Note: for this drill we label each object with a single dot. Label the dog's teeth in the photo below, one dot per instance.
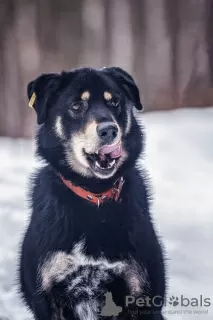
(97, 164)
(96, 152)
(111, 164)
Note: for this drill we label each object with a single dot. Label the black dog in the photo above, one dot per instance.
(90, 232)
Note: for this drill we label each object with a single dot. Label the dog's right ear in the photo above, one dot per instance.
(127, 82)
(39, 93)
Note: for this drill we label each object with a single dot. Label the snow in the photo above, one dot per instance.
(179, 157)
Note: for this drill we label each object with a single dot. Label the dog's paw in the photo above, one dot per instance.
(77, 270)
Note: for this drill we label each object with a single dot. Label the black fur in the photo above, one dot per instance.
(117, 231)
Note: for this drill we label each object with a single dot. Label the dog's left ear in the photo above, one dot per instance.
(40, 91)
(126, 81)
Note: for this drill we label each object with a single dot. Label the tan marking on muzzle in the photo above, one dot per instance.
(107, 95)
(86, 140)
(91, 137)
(85, 95)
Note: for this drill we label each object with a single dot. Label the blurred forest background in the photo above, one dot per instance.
(167, 45)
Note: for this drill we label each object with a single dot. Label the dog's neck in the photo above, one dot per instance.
(93, 185)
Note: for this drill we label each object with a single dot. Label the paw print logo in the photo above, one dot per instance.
(173, 301)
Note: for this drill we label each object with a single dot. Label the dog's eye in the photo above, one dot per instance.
(76, 107)
(114, 103)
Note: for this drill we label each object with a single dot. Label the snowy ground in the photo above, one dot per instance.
(180, 161)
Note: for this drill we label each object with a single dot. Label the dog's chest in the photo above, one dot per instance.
(107, 230)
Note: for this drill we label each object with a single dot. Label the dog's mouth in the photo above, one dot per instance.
(105, 159)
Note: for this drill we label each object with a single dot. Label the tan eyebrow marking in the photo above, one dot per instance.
(107, 95)
(85, 95)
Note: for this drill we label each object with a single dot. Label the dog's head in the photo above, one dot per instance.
(86, 120)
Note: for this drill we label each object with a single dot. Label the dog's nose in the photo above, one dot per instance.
(107, 131)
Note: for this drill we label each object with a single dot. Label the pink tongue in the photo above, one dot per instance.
(114, 151)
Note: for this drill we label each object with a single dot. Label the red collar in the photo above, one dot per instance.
(97, 198)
